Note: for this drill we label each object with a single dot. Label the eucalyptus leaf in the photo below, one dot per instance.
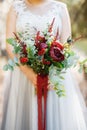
(80, 69)
(11, 63)
(15, 59)
(62, 77)
(10, 67)
(5, 67)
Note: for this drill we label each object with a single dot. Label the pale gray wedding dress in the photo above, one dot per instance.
(20, 104)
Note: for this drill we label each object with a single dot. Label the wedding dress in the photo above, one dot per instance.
(20, 104)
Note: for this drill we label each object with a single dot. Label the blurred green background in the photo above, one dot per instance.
(78, 15)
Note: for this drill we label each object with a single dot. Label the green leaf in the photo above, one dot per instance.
(61, 77)
(15, 59)
(17, 49)
(20, 34)
(83, 62)
(85, 70)
(11, 63)
(80, 69)
(10, 41)
(5, 68)
(10, 67)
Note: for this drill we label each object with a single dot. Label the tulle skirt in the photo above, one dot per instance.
(20, 106)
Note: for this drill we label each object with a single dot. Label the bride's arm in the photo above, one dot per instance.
(10, 28)
(66, 24)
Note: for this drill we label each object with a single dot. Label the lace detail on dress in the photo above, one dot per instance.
(18, 6)
(21, 7)
(27, 20)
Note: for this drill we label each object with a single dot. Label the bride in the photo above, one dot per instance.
(20, 104)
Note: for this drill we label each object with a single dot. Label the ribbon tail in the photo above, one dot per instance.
(45, 107)
(40, 126)
(39, 100)
(45, 101)
(42, 83)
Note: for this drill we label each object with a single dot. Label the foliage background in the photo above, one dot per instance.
(78, 14)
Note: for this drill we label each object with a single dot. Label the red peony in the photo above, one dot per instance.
(56, 52)
(23, 59)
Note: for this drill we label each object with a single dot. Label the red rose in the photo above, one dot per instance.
(41, 52)
(23, 59)
(56, 52)
(57, 44)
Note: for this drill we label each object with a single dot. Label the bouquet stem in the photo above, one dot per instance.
(42, 83)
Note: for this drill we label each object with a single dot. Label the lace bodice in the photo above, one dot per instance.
(29, 20)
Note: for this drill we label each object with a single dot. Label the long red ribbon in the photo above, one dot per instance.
(42, 83)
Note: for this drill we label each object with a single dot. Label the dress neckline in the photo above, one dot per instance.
(38, 5)
(44, 5)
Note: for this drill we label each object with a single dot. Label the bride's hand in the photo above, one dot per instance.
(30, 74)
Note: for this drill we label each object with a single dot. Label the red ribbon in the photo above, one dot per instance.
(42, 83)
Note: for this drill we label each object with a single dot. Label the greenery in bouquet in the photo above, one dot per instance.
(45, 54)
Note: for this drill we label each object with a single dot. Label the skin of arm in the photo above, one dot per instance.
(10, 28)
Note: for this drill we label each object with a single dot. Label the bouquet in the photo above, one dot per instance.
(45, 54)
(48, 58)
